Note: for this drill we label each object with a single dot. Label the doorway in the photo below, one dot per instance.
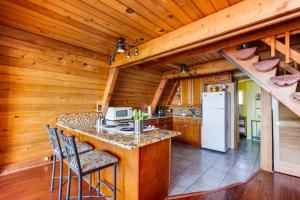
(249, 109)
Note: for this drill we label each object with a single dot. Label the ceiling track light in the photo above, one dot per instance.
(128, 53)
(122, 46)
(136, 51)
(113, 57)
(183, 69)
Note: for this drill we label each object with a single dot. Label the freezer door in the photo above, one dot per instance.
(214, 100)
(214, 130)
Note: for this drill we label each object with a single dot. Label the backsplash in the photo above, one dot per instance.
(77, 118)
(178, 110)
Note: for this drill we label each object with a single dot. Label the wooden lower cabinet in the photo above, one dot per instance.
(189, 128)
(162, 123)
(190, 131)
(193, 135)
(179, 128)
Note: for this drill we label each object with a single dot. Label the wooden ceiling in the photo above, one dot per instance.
(189, 62)
(96, 24)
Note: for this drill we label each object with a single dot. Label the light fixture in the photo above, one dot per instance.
(121, 45)
(128, 53)
(136, 51)
(129, 10)
(113, 57)
(183, 68)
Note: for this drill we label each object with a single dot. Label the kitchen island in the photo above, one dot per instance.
(144, 166)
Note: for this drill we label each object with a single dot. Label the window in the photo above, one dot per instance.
(241, 98)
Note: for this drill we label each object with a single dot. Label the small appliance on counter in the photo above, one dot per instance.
(149, 111)
(118, 113)
(159, 111)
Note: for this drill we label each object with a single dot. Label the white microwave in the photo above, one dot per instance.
(118, 113)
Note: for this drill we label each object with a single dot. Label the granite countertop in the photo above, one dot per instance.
(177, 116)
(188, 116)
(127, 141)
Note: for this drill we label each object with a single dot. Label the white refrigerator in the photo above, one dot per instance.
(215, 110)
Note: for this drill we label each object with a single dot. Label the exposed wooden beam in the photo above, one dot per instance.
(289, 68)
(287, 47)
(273, 50)
(109, 88)
(158, 94)
(248, 37)
(202, 69)
(173, 92)
(279, 46)
(174, 66)
(261, 13)
(266, 131)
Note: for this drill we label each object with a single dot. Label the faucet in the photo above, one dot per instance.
(100, 120)
(193, 110)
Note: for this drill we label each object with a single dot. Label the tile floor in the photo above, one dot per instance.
(196, 170)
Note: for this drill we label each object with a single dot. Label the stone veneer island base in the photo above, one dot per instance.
(144, 166)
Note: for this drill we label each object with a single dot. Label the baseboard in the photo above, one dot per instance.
(16, 167)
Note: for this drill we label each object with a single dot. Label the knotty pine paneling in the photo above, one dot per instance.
(135, 87)
(40, 78)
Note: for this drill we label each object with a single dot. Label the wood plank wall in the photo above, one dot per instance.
(135, 87)
(40, 78)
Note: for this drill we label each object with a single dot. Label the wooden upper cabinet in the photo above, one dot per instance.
(224, 77)
(185, 86)
(191, 91)
(196, 91)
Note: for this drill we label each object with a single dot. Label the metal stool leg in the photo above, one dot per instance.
(79, 187)
(60, 178)
(53, 172)
(115, 181)
(69, 183)
(98, 183)
(90, 182)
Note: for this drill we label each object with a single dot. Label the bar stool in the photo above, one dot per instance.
(88, 163)
(60, 153)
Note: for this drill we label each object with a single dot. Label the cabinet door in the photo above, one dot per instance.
(185, 91)
(210, 79)
(165, 126)
(196, 91)
(179, 128)
(193, 135)
(224, 77)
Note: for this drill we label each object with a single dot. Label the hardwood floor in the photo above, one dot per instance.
(262, 186)
(34, 183)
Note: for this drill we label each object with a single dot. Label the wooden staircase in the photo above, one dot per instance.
(277, 77)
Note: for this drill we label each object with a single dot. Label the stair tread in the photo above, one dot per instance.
(245, 54)
(285, 79)
(297, 95)
(266, 65)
